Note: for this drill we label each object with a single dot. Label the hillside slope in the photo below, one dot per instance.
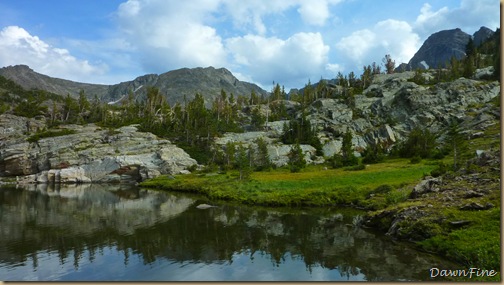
(174, 84)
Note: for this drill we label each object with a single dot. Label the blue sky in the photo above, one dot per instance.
(285, 41)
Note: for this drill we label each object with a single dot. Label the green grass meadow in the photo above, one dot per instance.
(313, 186)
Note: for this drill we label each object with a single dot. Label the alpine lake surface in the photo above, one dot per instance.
(92, 232)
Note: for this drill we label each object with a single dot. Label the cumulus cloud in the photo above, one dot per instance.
(370, 45)
(247, 15)
(17, 46)
(170, 34)
(470, 16)
(250, 13)
(316, 12)
(291, 62)
(357, 45)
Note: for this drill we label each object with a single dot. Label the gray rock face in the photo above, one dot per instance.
(90, 155)
(384, 114)
(410, 105)
(277, 151)
(482, 35)
(439, 48)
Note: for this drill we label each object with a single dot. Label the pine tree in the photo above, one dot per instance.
(366, 77)
(243, 163)
(348, 157)
(257, 120)
(84, 106)
(420, 142)
(296, 158)
(230, 155)
(389, 64)
(262, 159)
(457, 142)
(455, 68)
(469, 66)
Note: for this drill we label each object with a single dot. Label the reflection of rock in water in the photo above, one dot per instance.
(87, 208)
(204, 206)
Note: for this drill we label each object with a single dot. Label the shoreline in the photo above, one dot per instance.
(444, 219)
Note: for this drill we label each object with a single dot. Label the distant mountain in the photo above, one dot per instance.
(29, 79)
(187, 82)
(440, 47)
(482, 35)
(173, 84)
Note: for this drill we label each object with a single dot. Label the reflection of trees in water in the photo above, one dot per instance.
(208, 236)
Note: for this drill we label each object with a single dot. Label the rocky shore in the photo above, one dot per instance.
(88, 154)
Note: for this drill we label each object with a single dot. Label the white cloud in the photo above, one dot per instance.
(248, 13)
(290, 62)
(357, 45)
(333, 68)
(371, 45)
(17, 46)
(470, 16)
(170, 34)
(316, 12)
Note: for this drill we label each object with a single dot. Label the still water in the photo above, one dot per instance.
(124, 233)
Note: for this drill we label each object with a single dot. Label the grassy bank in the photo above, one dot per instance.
(313, 186)
(380, 188)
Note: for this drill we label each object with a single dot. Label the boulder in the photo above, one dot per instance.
(384, 135)
(73, 175)
(484, 73)
(426, 186)
(476, 206)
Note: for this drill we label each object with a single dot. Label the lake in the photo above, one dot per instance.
(125, 233)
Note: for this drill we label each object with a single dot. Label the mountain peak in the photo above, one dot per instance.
(482, 35)
(439, 48)
(17, 68)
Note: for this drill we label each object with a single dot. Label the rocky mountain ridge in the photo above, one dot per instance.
(175, 85)
(440, 47)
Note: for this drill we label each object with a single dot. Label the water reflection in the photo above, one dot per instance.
(127, 233)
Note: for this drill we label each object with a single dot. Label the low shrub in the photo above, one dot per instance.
(50, 133)
(440, 170)
(415, 159)
(359, 166)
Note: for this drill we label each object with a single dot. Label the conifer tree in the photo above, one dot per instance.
(348, 157)
(230, 155)
(243, 163)
(262, 159)
(457, 142)
(389, 64)
(296, 158)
